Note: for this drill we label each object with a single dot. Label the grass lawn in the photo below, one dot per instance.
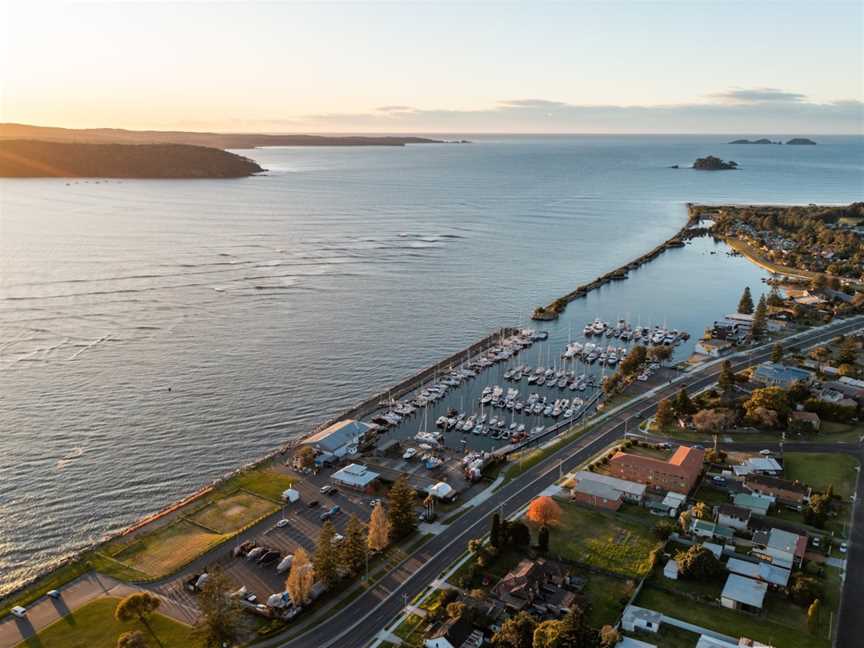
(266, 482)
(606, 594)
(734, 622)
(668, 637)
(93, 626)
(603, 540)
(839, 432)
(168, 548)
(232, 513)
(711, 496)
(820, 470)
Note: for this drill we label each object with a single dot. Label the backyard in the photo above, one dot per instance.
(603, 540)
(94, 626)
(821, 470)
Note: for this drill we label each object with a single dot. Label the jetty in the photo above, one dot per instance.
(555, 308)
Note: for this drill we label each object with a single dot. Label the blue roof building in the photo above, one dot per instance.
(774, 373)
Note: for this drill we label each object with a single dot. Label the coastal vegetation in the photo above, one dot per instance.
(763, 140)
(801, 141)
(34, 159)
(815, 239)
(215, 140)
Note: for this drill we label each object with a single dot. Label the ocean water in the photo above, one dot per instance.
(156, 334)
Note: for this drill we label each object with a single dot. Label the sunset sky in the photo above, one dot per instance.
(686, 66)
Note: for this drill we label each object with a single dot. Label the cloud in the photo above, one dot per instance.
(764, 111)
(389, 109)
(758, 95)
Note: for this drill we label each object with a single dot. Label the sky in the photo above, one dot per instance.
(680, 66)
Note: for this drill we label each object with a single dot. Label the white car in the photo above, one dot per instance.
(19, 611)
(282, 523)
(765, 453)
(843, 547)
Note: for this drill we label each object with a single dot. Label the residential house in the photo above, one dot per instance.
(851, 391)
(455, 633)
(735, 517)
(759, 504)
(679, 474)
(670, 569)
(535, 584)
(791, 493)
(605, 491)
(780, 375)
(774, 575)
(742, 593)
(637, 618)
(779, 547)
(809, 418)
(758, 466)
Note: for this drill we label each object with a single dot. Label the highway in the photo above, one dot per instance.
(361, 620)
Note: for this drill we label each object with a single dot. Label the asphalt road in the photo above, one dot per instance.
(360, 621)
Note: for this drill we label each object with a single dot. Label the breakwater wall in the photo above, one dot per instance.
(554, 309)
(372, 404)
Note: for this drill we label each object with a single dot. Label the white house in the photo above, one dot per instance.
(637, 618)
(355, 476)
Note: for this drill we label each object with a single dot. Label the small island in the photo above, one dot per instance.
(764, 140)
(42, 159)
(800, 141)
(711, 163)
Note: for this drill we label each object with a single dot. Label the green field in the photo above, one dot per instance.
(783, 623)
(820, 470)
(266, 482)
(93, 626)
(606, 595)
(234, 512)
(168, 548)
(603, 539)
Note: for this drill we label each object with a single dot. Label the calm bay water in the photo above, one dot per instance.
(266, 304)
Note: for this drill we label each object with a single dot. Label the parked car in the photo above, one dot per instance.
(243, 548)
(313, 504)
(717, 479)
(765, 452)
(326, 515)
(337, 538)
(328, 489)
(251, 597)
(255, 553)
(54, 594)
(335, 509)
(19, 611)
(282, 523)
(270, 557)
(843, 547)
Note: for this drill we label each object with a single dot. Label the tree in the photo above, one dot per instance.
(774, 298)
(300, 579)
(574, 632)
(133, 639)
(455, 610)
(520, 535)
(813, 615)
(495, 531)
(848, 353)
(140, 606)
(819, 282)
(698, 563)
(220, 622)
(664, 528)
(305, 457)
(326, 558)
(403, 520)
(609, 636)
(745, 304)
(760, 319)
(659, 353)
(546, 634)
(516, 632)
(684, 520)
(543, 539)
(665, 416)
(767, 399)
(714, 456)
(544, 511)
(726, 380)
(804, 589)
(777, 352)
(816, 512)
(379, 529)
(711, 421)
(683, 405)
(353, 550)
(701, 511)
(633, 360)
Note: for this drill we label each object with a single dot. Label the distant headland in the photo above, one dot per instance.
(801, 141)
(35, 159)
(216, 140)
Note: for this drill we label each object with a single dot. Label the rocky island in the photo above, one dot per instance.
(800, 141)
(711, 163)
(39, 159)
(764, 140)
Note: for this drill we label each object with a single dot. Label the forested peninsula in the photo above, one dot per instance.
(40, 159)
